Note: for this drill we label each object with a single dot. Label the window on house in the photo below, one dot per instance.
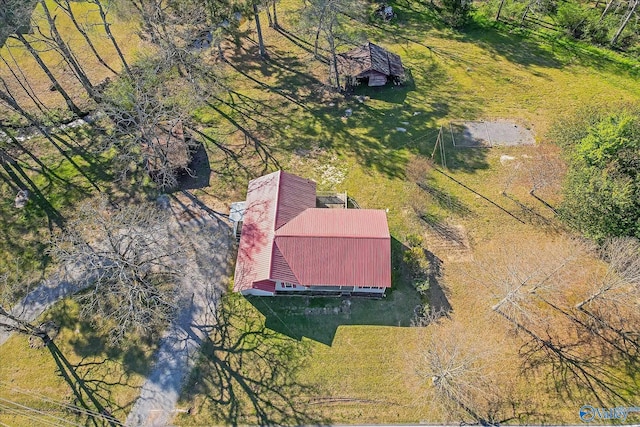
(289, 285)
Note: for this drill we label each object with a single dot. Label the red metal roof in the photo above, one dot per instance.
(338, 223)
(337, 247)
(285, 238)
(271, 199)
(294, 196)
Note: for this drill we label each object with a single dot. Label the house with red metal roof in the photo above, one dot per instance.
(289, 246)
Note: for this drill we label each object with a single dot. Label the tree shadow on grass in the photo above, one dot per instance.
(541, 49)
(92, 407)
(246, 374)
(515, 48)
(577, 368)
(445, 199)
(378, 134)
(318, 318)
(262, 150)
(87, 342)
(20, 179)
(97, 374)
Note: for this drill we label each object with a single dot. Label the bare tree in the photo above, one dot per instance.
(256, 15)
(174, 27)
(633, 5)
(65, 5)
(457, 367)
(11, 290)
(331, 18)
(531, 290)
(107, 29)
(129, 260)
(612, 309)
(55, 40)
(52, 78)
(623, 273)
(148, 120)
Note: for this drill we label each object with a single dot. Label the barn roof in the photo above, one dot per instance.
(284, 237)
(369, 57)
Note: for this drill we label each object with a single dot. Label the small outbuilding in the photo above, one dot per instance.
(370, 64)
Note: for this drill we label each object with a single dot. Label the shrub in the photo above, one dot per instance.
(456, 13)
(572, 18)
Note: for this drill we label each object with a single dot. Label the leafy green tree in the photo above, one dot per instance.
(602, 187)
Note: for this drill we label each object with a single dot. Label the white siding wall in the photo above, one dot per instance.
(280, 286)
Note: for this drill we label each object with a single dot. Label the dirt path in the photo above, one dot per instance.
(179, 347)
(211, 243)
(57, 287)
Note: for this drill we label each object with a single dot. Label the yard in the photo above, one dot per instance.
(303, 361)
(362, 362)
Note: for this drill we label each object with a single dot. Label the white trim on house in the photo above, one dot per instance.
(290, 287)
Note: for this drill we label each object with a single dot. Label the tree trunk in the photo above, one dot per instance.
(261, 49)
(524, 15)
(72, 106)
(67, 54)
(15, 324)
(318, 30)
(107, 29)
(632, 9)
(269, 16)
(67, 8)
(606, 10)
(499, 10)
(332, 47)
(220, 52)
(275, 16)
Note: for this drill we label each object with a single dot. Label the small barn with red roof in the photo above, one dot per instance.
(288, 246)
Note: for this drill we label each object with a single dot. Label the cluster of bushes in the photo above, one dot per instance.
(416, 260)
(602, 186)
(600, 23)
(584, 22)
(455, 13)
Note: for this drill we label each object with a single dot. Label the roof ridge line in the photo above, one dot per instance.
(332, 235)
(275, 221)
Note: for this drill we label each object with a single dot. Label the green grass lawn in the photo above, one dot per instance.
(81, 371)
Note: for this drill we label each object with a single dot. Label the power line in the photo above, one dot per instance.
(27, 408)
(25, 414)
(62, 404)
